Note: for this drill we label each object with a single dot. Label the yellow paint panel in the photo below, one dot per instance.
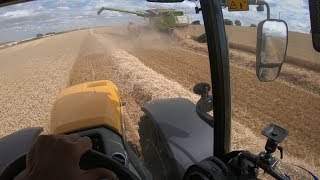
(238, 5)
(87, 105)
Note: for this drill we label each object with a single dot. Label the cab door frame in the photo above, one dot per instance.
(220, 74)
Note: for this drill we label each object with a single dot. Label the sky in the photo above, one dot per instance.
(23, 21)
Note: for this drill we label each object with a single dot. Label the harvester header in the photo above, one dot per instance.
(161, 19)
(138, 13)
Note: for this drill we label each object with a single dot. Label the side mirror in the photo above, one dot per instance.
(315, 23)
(272, 42)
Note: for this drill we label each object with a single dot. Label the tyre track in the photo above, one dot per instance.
(93, 63)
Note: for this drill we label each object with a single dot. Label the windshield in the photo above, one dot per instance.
(153, 51)
(291, 101)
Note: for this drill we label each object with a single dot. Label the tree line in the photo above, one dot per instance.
(236, 22)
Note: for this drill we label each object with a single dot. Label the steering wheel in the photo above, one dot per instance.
(90, 160)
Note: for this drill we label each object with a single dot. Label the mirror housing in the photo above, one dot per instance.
(272, 42)
(315, 23)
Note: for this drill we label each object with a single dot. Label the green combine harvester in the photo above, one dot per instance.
(159, 19)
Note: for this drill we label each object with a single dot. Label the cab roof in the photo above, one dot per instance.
(11, 2)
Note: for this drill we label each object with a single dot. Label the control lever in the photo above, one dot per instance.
(275, 135)
(280, 148)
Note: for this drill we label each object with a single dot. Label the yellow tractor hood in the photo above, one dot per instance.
(87, 105)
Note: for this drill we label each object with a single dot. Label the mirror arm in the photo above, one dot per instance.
(202, 112)
(261, 3)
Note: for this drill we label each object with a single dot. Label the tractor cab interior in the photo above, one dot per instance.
(181, 92)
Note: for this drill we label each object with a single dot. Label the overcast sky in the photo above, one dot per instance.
(25, 20)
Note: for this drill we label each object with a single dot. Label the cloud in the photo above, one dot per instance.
(23, 21)
(17, 13)
(63, 7)
(274, 28)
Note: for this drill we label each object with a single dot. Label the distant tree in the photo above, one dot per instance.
(39, 35)
(197, 22)
(228, 22)
(237, 23)
(50, 33)
(252, 25)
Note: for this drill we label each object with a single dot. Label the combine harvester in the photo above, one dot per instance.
(163, 20)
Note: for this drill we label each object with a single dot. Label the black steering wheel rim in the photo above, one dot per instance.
(90, 160)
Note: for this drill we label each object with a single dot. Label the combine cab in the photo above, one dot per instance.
(159, 19)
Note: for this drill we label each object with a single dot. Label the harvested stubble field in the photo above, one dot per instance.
(300, 51)
(33, 73)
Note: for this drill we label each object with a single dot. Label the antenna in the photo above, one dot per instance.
(279, 14)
